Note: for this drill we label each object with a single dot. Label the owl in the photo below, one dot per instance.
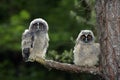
(86, 51)
(35, 40)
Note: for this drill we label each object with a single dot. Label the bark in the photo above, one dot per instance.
(50, 64)
(108, 19)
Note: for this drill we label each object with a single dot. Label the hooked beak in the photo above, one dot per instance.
(38, 27)
(86, 40)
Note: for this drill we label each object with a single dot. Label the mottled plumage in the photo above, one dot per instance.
(86, 52)
(35, 40)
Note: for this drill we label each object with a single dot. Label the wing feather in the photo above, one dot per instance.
(27, 44)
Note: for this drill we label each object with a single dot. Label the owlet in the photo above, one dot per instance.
(35, 40)
(86, 51)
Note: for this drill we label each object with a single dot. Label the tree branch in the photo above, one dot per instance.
(67, 67)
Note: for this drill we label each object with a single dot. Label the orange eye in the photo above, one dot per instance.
(82, 37)
(89, 37)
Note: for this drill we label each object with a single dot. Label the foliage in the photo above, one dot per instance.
(65, 18)
(65, 57)
(11, 31)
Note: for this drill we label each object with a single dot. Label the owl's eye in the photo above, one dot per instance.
(82, 37)
(35, 24)
(89, 37)
(40, 24)
(42, 27)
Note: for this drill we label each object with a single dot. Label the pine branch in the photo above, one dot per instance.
(66, 67)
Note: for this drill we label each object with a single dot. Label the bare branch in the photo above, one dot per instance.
(67, 67)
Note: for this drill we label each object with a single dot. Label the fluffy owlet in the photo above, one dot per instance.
(35, 40)
(86, 52)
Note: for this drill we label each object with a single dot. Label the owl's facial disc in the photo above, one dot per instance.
(38, 27)
(86, 38)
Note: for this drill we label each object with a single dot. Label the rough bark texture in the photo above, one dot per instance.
(108, 19)
(67, 67)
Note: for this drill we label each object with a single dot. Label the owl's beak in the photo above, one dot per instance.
(86, 40)
(38, 27)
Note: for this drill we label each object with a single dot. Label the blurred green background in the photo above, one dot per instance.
(65, 18)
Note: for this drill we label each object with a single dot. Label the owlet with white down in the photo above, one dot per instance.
(35, 40)
(86, 51)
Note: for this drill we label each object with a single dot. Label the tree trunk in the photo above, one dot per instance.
(108, 22)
